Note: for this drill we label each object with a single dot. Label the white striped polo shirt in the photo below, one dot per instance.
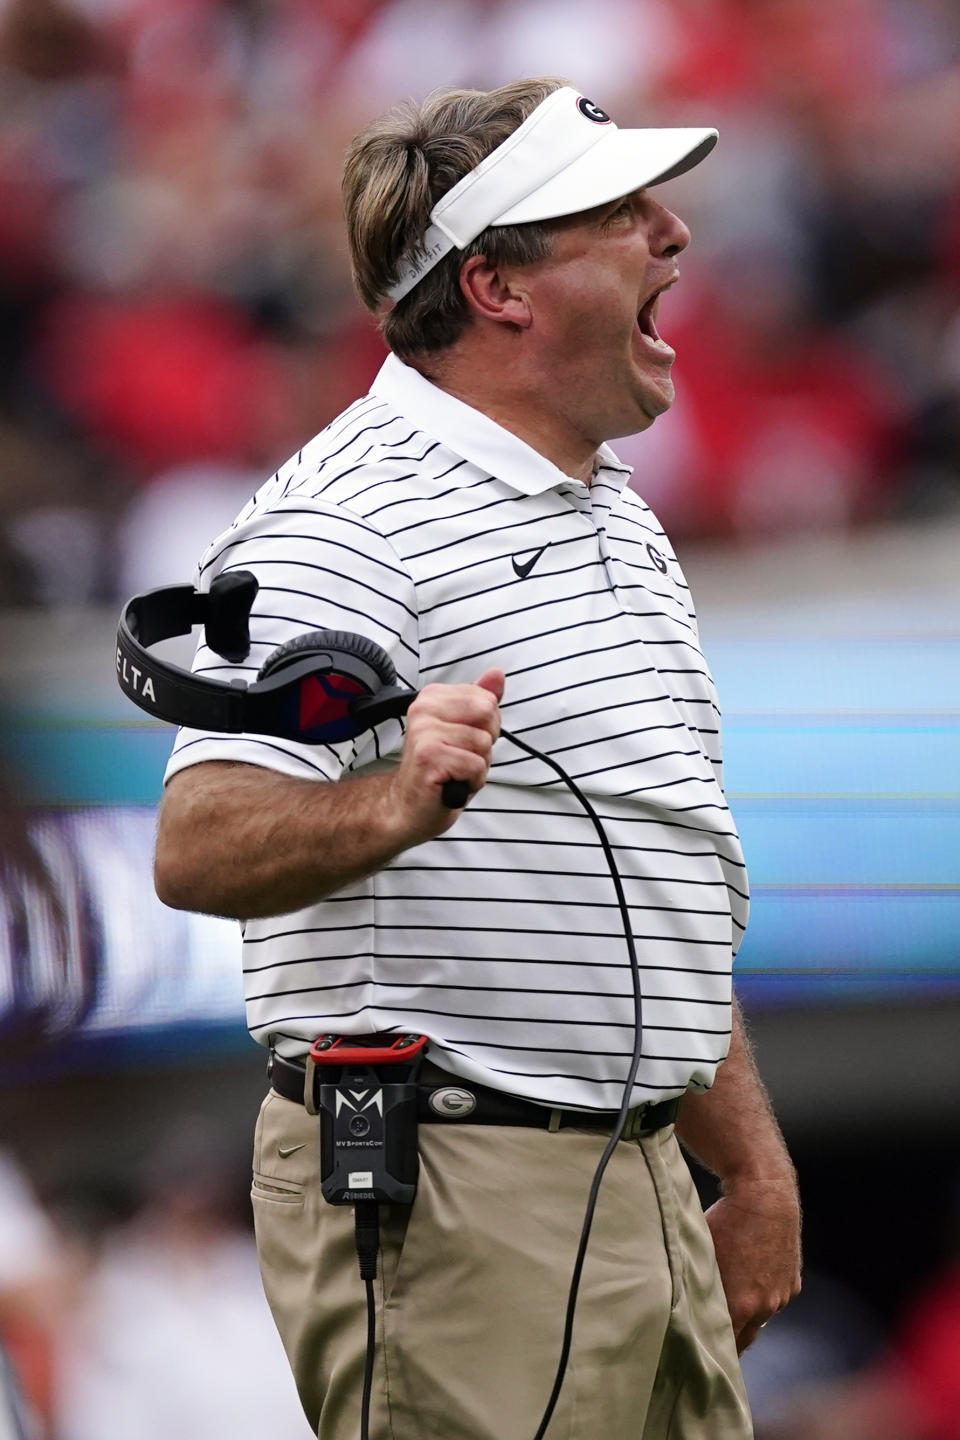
(417, 521)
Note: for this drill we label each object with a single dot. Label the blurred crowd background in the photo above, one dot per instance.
(176, 318)
(175, 303)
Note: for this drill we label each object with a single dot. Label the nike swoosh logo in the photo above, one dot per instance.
(284, 1150)
(522, 570)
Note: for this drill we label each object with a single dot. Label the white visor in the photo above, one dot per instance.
(567, 156)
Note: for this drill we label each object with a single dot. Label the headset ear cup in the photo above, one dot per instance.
(343, 643)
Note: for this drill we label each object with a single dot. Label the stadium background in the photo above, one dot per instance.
(175, 318)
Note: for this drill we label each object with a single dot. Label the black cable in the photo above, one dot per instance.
(368, 1362)
(627, 1090)
(367, 1232)
(367, 1213)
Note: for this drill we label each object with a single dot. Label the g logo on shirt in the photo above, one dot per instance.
(657, 559)
(591, 111)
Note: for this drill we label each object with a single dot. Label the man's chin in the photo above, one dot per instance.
(656, 399)
(649, 402)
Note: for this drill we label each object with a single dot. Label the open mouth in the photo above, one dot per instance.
(647, 324)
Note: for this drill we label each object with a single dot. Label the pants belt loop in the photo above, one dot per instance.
(555, 1117)
(634, 1126)
(309, 1087)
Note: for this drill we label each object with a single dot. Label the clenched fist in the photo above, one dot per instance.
(451, 731)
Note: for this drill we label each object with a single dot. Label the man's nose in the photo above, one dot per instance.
(670, 235)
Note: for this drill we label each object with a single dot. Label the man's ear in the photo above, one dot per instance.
(495, 292)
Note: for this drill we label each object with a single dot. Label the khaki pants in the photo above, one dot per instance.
(473, 1284)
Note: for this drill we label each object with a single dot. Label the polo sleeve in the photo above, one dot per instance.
(319, 567)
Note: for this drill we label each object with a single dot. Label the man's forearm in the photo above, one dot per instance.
(731, 1128)
(246, 842)
(756, 1222)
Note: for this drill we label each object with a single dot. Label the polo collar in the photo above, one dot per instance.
(474, 436)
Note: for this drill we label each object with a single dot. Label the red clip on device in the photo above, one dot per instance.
(363, 1049)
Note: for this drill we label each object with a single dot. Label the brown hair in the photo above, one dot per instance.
(395, 172)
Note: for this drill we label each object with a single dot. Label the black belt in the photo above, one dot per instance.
(466, 1103)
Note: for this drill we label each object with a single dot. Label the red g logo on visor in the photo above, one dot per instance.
(590, 111)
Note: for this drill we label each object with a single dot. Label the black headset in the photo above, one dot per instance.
(322, 687)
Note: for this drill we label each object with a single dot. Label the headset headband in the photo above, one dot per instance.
(320, 688)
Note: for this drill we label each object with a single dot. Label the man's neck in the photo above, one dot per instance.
(516, 411)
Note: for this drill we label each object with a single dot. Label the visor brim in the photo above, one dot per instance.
(623, 161)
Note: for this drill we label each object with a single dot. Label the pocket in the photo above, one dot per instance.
(286, 1160)
(278, 1192)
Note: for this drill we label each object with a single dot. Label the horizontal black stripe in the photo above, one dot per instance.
(577, 874)
(395, 444)
(618, 1080)
(380, 445)
(631, 507)
(503, 645)
(444, 473)
(430, 499)
(274, 617)
(478, 809)
(581, 1105)
(668, 785)
(338, 605)
(601, 740)
(416, 459)
(355, 436)
(637, 789)
(411, 1011)
(470, 539)
(542, 901)
(514, 671)
(433, 519)
(589, 715)
(301, 930)
(362, 407)
(655, 615)
(260, 743)
(459, 869)
(315, 957)
(321, 957)
(556, 601)
(315, 470)
(568, 1050)
(323, 570)
(359, 463)
(303, 538)
(551, 694)
(586, 844)
(457, 987)
(425, 500)
(385, 925)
